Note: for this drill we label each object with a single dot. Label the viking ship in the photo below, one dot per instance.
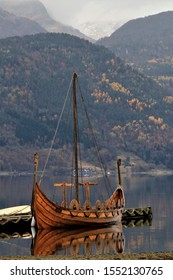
(50, 214)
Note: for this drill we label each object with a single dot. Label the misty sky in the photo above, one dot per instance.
(76, 12)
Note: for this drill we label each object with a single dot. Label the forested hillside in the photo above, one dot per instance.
(130, 113)
(146, 43)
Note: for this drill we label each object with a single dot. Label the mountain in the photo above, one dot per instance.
(35, 11)
(98, 29)
(142, 39)
(11, 25)
(146, 43)
(131, 114)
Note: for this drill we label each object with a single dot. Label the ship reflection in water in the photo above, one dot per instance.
(72, 242)
(78, 241)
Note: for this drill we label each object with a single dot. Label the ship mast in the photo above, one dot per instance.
(75, 135)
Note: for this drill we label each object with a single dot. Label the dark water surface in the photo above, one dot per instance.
(140, 191)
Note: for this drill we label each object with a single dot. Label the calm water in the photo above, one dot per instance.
(140, 191)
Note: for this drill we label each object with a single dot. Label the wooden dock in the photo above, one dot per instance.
(19, 216)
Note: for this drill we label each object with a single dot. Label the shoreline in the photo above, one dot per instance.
(124, 256)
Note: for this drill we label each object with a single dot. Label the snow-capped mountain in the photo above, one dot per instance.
(97, 30)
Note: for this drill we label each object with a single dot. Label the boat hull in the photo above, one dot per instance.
(50, 215)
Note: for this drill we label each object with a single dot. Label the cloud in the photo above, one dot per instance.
(75, 12)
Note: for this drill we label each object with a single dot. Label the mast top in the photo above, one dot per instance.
(74, 75)
(119, 173)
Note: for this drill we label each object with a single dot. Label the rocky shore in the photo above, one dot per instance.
(125, 256)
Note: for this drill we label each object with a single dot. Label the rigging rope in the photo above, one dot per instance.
(95, 142)
(56, 130)
(91, 129)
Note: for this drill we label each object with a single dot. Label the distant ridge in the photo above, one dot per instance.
(147, 44)
(11, 25)
(35, 10)
(143, 38)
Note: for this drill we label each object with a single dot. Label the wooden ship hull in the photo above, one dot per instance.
(78, 241)
(18, 218)
(50, 215)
